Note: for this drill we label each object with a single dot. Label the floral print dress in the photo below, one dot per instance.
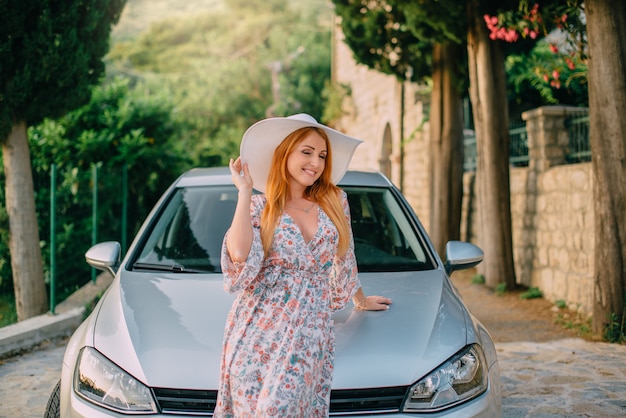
(277, 359)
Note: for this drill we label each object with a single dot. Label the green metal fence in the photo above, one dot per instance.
(96, 217)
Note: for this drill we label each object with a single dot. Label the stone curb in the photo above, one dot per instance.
(30, 332)
(69, 314)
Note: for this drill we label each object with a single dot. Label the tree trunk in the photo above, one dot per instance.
(446, 147)
(30, 289)
(489, 103)
(606, 21)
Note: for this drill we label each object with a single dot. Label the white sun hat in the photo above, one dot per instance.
(262, 138)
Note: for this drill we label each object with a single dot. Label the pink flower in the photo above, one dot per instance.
(546, 78)
(554, 48)
(511, 36)
(556, 74)
(570, 64)
(533, 34)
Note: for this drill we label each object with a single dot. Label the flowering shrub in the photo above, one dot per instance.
(562, 23)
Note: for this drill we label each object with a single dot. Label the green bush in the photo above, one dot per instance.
(130, 137)
(500, 289)
(531, 293)
(478, 279)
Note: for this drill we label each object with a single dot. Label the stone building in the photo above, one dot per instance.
(551, 201)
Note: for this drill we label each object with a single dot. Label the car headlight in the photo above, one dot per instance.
(463, 377)
(102, 382)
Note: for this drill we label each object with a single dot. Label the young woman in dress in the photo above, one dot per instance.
(289, 258)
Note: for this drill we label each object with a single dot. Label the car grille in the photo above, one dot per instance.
(187, 401)
(373, 400)
(342, 402)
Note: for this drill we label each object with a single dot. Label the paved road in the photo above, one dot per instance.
(565, 378)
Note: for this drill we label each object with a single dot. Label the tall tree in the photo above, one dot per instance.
(440, 22)
(600, 37)
(50, 56)
(419, 41)
(491, 120)
(606, 21)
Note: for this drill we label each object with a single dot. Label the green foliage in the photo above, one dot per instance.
(8, 315)
(615, 330)
(217, 68)
(561, 304)
(117, 130)
(500, 289)
(478, 279)
(396, 37)
(531, 79)
(334, 95)
(51, 54)
(575, 322)
(531, 293)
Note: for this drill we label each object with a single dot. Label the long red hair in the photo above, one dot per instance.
(323, 191)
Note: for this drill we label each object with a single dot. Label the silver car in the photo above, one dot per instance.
(152, 345)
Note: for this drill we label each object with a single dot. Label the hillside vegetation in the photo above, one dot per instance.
(216, 61)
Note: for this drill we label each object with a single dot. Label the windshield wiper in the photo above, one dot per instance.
(176, 268)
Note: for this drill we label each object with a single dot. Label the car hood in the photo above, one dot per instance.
(166, 330)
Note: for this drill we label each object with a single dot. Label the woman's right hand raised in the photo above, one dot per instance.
(240, 175)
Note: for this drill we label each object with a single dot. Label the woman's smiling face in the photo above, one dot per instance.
(307, 161)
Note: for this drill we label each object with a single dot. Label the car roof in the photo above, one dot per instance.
(216, 176)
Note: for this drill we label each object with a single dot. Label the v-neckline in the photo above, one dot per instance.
(317, 226)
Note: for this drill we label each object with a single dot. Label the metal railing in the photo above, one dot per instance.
(578, 149)
(518, 147)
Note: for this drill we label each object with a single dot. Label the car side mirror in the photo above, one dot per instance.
(462, 255)
(105, 256)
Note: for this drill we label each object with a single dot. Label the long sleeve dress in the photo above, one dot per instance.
(278, 351)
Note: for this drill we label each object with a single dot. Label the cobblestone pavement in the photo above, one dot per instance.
(26, 381)
(563, 378)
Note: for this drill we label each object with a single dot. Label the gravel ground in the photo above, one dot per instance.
(510, 318)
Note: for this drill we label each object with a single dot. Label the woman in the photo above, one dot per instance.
(289, 257)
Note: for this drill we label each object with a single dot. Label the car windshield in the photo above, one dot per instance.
(188, 234)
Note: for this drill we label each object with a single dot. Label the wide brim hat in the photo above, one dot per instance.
(262, 138)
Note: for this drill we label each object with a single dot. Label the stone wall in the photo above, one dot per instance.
(551, 212)
(552, 209)
(551, 202)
